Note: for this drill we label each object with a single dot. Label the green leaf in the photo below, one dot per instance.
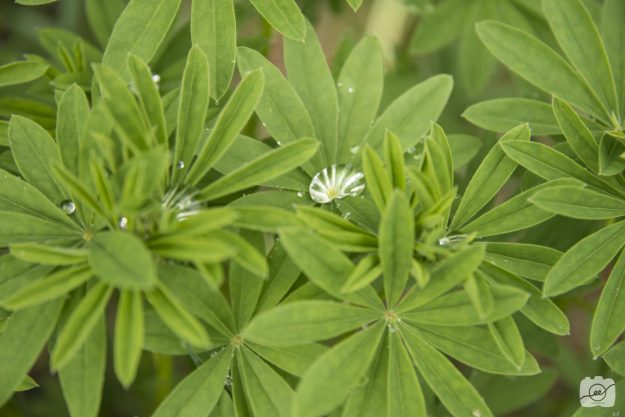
(268, 394)
(579, 38)
(550, 164)
(35, 152)
(306, 321)
(379, 185)
(270, 165)
(509, 340)
(122, 260)
(578, 203)
(405, 398)
(70, 126)
(613, 34)
(79, 190)
(191, 248)
(450, 386)
(524, 260)
(457, 309)
(517, 213)
(577, 134)
(294, 359)
(615, 358)
(177, 318)
(608, 323)
(541, 311)
(366, 271)
(149, 96)
(82, 379)
(329, 380)
(229, 124)
(53, 286)
(360, 90)
(475, 347)
(503, 114)
(396, 245)
(585, 259)
(21, 72)
(48, 255)
(129, 334)
(490, 176)
(80, 325)
(20, 197)
(102, 17)
(539, 64)
(354, 4)
(199, 392)
(140, 30)
(446, 275)
(610, 151)
(18, 228)
(213, 29)
(311, 77)
(324, 265)
(192, 108)
(264, 219)
(22, 341)
(284, 16)
(410, 115)
(27, 384)
(34, 2)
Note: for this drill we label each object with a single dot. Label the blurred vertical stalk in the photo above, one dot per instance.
(387, 21)
(164, 369)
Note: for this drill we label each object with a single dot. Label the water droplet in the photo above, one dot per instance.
(452, 240)
(477, 413)
(228, 381)
(156, 78)
(391, 328)
(354, 149)
(264, 124)
(412, 149)
(350, 90)
(336, 182)
(68, 207)
(347, 214)
(123, 223)
(180, 164)
(300, 194)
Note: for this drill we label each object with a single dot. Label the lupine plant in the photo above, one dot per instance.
(301, 238)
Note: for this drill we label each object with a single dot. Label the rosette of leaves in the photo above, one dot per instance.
(122, 200)
(453, 22)
(394, 334)
(588, 111)
(341, 114)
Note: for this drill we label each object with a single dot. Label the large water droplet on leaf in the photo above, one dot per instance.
(336, 182)
(68, 206)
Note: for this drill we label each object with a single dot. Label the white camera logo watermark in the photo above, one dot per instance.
(597, 392)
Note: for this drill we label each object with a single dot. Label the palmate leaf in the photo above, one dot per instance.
(70, 126)
(285, 16)
(21, 72)
(310, 75)
(268, 394)
(306, 321)
(525, 260)
(491, 175)
(199, 392)
(577, 134)
(578, 203)
(213, 29)
(129, 335)
(328, 381)
(140, 30)
(294, 360)
(360, 90)
(540, 65)
(579, 38)
(82, 379)
(80, 325)
(21, 343)
(503, 114)
(454, 391)
(405, 398)
(608, 323)
(476, 347)
(121, 259)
